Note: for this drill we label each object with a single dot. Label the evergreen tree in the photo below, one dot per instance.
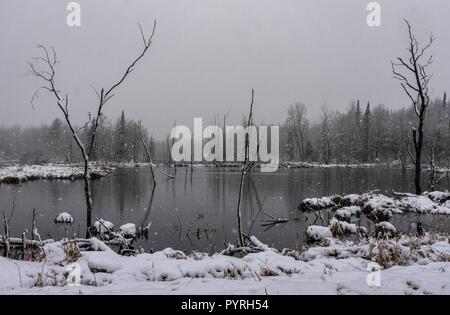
(120, 142)
(366, 134)
(357, 133)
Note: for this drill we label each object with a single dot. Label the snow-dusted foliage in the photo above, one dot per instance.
(380, 207)
(340, 228)
(343, 214)
(385, 229)
(102, 226)
(128, 230)
(423, 204)
(317, 203)
(318, 233)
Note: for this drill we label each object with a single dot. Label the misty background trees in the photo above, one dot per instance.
(364, 133)
(117, 141)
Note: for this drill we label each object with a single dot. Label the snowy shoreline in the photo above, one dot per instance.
(338, 260)
(16, 174)
(422, 266)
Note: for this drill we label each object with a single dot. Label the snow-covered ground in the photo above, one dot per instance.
(22, 173)
(342, 258)
(420, 266)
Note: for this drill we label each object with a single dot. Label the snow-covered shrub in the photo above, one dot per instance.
(267, 272)
(378, 207)
(379, 214)
(309, 204)
(350, 200)
(291, 253)
(64, 217)
(317, 233)
(390, 253)
(128, 230)
(341, 228)
(438, 196)
(174, 254)
(72, 251)
(343, 215)
(423, 204)
(354, 210)
(385, 229)
(102, 226)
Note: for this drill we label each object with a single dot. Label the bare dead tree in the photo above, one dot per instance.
(245, 169)
(44, 68)
(414, 79)
(149, 208)
(431, 161)
(297, 124)
(5, 237)
(149, 156)
(33, 225)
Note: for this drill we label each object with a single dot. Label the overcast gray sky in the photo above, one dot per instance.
(208, 54)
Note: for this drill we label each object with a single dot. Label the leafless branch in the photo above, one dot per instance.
(43, 67)
(104, 97)
(414, 80)
(245, 169)
(147, 152)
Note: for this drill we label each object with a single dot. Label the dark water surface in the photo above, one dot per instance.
(198, 210)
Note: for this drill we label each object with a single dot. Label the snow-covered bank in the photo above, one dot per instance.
(337, 268)
(381, 207)
(17, 174)
(392, 164)
(332, 165)
(286, 164)
(338, 260)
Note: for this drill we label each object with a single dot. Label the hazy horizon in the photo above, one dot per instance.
(208, 55)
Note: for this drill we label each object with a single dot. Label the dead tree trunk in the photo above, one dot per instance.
(6, 236)
(414, 78)
(431, 160)
(245, 169)
(87, 193)
(33, 225)
(47, 75)
(149, 156)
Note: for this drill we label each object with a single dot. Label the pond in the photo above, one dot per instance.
(197, 210)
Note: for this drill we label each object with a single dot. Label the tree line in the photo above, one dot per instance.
(364, 134)
(360, 134)
(117, 141)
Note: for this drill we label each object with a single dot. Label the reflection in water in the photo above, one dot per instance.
(149, 208)
(197, 210)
